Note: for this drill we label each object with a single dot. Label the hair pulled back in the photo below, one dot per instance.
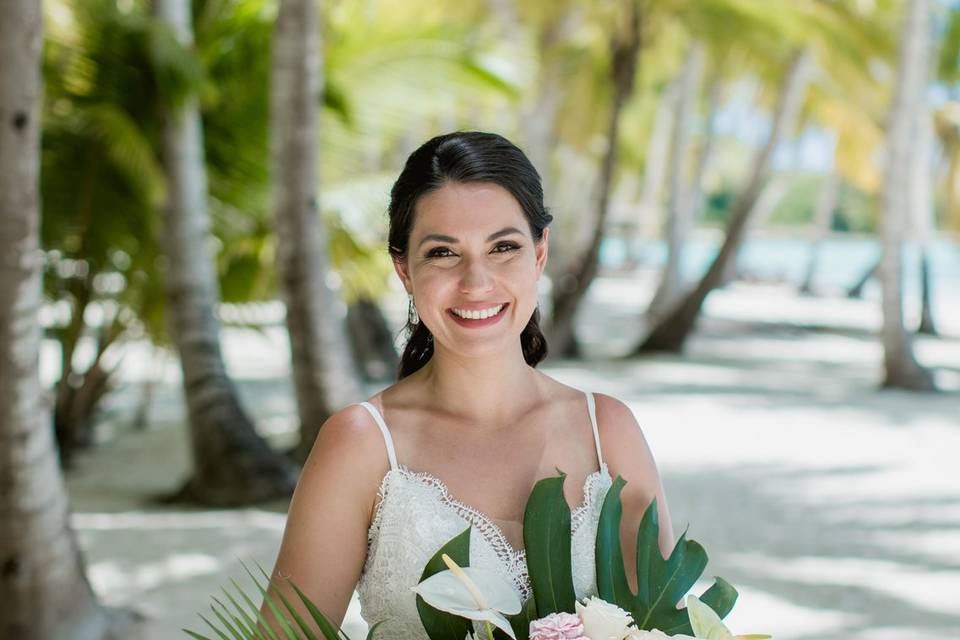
(464, 156)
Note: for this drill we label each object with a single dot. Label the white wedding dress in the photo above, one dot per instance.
(416, 515)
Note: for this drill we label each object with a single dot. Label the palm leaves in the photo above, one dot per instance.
(242, 620)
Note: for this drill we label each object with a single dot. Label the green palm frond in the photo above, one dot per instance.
(241, 619)
(125, 147)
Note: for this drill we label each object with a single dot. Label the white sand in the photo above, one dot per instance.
(832, 506)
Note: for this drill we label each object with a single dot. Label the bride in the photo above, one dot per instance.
(471, 425)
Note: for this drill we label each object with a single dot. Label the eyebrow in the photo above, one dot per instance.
(506, 231)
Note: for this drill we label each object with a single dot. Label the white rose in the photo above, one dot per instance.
(654, 634)
(602, 620)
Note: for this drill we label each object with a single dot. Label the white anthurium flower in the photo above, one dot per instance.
(707, 624)
(472, 593)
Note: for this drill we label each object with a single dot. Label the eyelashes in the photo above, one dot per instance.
(444, 252)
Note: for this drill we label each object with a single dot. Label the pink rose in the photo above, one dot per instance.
(557, 626)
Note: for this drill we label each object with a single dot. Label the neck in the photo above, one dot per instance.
(489, 392)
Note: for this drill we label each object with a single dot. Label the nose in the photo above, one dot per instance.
(475, 277)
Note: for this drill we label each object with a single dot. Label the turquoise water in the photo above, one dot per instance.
(841, 263)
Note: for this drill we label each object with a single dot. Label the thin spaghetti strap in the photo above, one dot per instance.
(387, 440)
(592, 409)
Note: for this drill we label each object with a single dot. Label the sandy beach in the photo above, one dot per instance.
(833, 507)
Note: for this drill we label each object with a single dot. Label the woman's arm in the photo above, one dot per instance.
(325, 540)
(626, 453)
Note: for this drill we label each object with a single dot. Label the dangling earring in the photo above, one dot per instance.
(412, 316)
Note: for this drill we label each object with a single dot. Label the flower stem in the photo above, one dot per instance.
(489, 631)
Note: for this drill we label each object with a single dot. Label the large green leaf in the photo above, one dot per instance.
(441, 625)
(661, 583)
(612, 583)
(546, 537)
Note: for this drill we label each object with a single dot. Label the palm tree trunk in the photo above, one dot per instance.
(900, 365)
(822, 217)
(671, 332)
(657, 155)
(921, 209)
(43, 589)
(372, 341)
(232, 464)
(856, 291)
(711, 109)
(324, 375)
(539, 119)
(679, 210)
(763, 209)
(570, 289)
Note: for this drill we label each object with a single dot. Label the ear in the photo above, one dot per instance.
(403, 272)
(541, 249)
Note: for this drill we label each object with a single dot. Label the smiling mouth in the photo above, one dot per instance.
(478, 317)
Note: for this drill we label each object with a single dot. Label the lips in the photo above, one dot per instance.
(478, 306)
(481, 322)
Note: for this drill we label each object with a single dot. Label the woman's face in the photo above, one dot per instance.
(472, 267)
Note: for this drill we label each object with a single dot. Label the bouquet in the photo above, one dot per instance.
(451, 595)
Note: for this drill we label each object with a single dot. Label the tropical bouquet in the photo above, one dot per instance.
(451, 596)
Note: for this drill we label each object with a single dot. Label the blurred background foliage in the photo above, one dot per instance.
(396, 73)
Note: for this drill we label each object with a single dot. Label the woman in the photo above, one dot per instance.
(471, 425)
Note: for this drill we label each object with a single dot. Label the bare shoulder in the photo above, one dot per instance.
(622, 440)
(350, 447)
(616, 421)
(352, 430)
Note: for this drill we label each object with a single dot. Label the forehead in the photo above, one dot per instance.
(462, 208)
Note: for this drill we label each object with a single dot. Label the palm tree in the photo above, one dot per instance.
(322, 370)
(682, 190)
(657, 155)
(671, 331)
(572, 287)
(921, 208)
(232, 463)
(900, 366)
(43, 588)
(822, 218)
(100, 184)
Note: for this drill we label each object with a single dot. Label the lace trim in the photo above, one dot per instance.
(514, 559)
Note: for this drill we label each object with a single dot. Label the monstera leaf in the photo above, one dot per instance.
(661, 583)
(441, 625)
(546, 537)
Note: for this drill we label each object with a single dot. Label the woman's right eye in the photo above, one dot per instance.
(439, 252)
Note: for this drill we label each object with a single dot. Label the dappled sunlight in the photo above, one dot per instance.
(165, 564)
(108, 579)
(935, 591)
(758, 611)
(200, 519)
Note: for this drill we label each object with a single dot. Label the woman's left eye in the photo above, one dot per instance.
(504, 247)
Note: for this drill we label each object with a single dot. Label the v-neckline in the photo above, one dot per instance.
(500, 543)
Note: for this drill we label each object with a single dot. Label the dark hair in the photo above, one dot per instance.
(465, 156)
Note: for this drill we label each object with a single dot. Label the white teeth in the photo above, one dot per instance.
(478, 314)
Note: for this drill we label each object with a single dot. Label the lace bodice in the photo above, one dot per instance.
(416, 515)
